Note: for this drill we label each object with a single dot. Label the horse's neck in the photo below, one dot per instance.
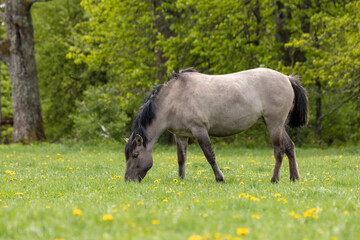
(159, 123)
(154, 131)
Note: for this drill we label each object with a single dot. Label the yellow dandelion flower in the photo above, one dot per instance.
(242, 195)
(255, 216)
(217, 236)
(155, 222)
(195, 237)
(263, 197)
(307, 213)
(297, 216)
(199, 172)
(196, 200)
(227, 168)
(10, 172)
(282, 200)
(165, 200)
(4, 206)
(346, 212)
(241, 183)
(47, 207)
(292, 213)
(108, 217)
(242, 231)
(205, 215)
(179, 193)
(207, 236)
(175, 180)
(277, 195)
(140, 203)
(77, 212)
(255, 199)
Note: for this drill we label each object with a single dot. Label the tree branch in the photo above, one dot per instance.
(340, 104)
(2, 16)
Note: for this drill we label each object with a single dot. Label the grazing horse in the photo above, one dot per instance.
(192, 104)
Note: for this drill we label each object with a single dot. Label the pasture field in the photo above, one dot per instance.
(52, 191)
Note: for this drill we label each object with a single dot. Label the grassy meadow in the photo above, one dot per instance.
(52, 191)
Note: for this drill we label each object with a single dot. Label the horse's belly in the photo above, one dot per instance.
(231, 126)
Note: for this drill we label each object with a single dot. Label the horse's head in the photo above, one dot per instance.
(138, 159)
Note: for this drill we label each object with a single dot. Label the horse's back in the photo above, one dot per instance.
(228, 104)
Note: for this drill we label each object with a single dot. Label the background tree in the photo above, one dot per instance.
(17, 52)
(98, 59)
(331, 63)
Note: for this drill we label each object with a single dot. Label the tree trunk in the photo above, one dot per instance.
(318, 120)
(282, 34)
(20, 61)
(163, 27)
(0, 109)
(282, 14)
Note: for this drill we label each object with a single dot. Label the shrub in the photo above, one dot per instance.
(101, 116)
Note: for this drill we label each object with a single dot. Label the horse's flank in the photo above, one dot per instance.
(223, 104)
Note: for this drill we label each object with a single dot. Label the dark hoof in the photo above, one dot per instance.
(274, 180)
(222, 180)
(293, 179)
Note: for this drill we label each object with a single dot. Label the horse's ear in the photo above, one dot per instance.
(139, 140)
(126, 140)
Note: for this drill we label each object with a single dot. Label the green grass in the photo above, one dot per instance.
(42, 186)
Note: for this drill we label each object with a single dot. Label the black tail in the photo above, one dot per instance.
(299, 114)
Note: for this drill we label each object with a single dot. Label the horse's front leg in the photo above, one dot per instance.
(203, 139)
(181, 144)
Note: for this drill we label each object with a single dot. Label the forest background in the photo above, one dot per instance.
(98, 59)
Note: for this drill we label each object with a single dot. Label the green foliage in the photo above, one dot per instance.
(129, 46)
(331, 70)
(6, 107)
(61, 81)
(100, 115)
(215, 42)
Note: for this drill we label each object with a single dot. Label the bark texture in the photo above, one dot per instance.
(17, 51)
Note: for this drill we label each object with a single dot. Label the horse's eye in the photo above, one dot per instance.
(135, 155)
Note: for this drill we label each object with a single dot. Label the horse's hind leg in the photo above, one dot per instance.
(181, 144)
(203, 139)
(276, 134)
(290, 152)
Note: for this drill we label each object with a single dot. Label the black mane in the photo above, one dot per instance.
(143, 118)
(176, 75)
(146, 114)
